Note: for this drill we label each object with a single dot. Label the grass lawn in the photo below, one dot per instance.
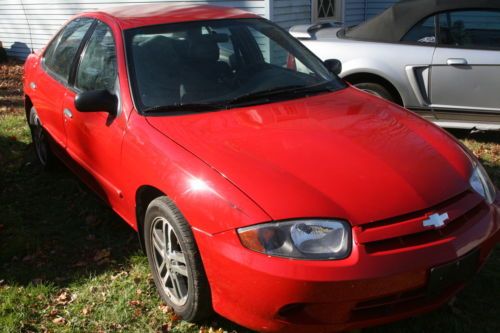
(68, 263)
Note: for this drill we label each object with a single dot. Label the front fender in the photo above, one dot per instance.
(209, 201)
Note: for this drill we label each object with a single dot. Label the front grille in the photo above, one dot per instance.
(408, 230)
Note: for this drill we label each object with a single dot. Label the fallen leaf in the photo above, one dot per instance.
(166, 327)
(135, 303)
(80, 263)
(165, 308)
(59, 321)
(102, 255)
(116, 276)
(85, 311)
(65, 297)
(175, 317)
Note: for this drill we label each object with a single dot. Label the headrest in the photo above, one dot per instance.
(158, 48)
(203, 48)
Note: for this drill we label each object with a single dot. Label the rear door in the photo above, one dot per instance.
(466, 66)
(50, 83)
(94, 138)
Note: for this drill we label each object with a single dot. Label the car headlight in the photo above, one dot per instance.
(300, 239)
(482, 184)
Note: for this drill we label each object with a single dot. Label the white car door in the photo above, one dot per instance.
(465, 74)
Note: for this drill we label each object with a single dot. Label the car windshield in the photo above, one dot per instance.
(208, 65)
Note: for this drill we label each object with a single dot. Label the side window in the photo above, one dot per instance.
(60, 54)
(97, 69)
(470, 28)
(423, 32)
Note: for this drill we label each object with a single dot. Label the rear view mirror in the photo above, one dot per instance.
(96, 101)
(333, 65)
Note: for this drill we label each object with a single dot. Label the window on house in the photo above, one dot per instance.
(327, 10)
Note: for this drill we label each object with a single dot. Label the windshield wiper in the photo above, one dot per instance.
(189, 107)
(281, 91)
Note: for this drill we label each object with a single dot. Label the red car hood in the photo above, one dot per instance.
(342, 155)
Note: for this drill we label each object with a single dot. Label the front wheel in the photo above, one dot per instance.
(375, 89)
(175, 261)
(41, 141)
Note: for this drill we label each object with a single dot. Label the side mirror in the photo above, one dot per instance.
(333, 65)
(97, 101)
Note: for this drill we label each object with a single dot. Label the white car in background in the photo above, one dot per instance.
(440, 58)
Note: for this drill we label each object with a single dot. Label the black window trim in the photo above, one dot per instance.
(56, 76)
(446, 46)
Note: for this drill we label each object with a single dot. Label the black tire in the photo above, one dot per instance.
(41, 143)
(376, 89)
(197, 306)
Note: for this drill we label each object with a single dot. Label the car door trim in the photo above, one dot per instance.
(470, 109)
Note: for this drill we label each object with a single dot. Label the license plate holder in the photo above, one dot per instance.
(452, 274)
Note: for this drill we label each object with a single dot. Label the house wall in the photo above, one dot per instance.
(291, 12)
(357, 11)
(45, 18)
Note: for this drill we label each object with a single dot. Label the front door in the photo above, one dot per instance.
(466, 65)
(94, 138)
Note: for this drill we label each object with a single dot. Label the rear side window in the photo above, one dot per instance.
(97, 69)
(423, 32)
(470, 28)
(61, 52)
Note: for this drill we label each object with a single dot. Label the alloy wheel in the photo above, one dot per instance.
(170, 261)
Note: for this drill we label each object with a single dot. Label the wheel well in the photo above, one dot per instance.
(27, 106)
(373, 78)
(143, 197)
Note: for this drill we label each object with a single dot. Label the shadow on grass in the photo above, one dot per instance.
(53, 229)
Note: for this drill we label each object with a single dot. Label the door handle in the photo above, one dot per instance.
(68, 113)
(457, 62)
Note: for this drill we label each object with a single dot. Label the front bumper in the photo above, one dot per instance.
(368, 288)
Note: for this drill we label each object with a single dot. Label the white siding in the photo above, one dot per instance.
(291, 12)
(45, 17)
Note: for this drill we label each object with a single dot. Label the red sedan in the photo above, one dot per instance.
(262, 186)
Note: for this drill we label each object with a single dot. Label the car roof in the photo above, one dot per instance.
(132, 16)
(392, 24)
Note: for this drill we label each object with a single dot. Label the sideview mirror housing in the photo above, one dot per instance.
(333, 65)
(97, 101)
